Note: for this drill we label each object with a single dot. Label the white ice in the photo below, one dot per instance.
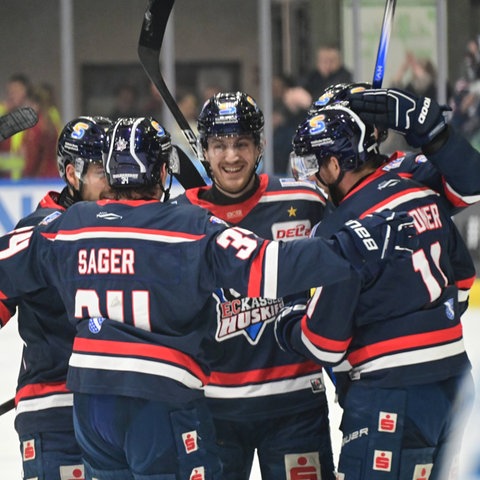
(10, 350)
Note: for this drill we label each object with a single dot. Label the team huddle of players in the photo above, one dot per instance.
(176, 338)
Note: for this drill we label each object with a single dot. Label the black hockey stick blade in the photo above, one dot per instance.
(379, 71)
(17, 121)
(151, 37)
(7, 406)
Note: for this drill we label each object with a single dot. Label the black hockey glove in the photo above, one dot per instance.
(420, 119)
(378, 237)
(287, 317)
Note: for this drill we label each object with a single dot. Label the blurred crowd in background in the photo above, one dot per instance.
(32, 153)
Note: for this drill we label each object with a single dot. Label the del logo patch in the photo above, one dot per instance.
(303, 466)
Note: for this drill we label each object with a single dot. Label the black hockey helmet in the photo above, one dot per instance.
(135, 150)
(340, 93)
(337, 93)
(334, 130)
(81, 142)
(230, 113)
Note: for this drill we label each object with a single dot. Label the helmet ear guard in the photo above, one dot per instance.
(80, 143)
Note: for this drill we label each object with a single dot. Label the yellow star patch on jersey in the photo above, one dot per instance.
(292, 212)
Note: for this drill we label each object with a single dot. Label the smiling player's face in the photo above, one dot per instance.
(232, 162)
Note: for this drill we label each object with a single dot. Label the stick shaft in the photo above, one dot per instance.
(379, 71)
(149, 45)
(7, 406)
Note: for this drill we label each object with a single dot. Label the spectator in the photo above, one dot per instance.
(154, 105)
(51, 105)
(465, 101)
(417, 75)
(40, 142)
(329, 70)
(17, 94)
(126, 101)
(296, 101)
(280, 84)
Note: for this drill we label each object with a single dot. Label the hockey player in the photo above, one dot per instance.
(398, 353)
(134, 274)
(457, 181)
(261, 398)
(44, 420)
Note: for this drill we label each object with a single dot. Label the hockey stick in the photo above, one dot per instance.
(16, 121)
(7, 406)
(379, 71)
(151, 37)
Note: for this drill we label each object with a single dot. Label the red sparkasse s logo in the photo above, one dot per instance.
(387, 422)
(382, 460)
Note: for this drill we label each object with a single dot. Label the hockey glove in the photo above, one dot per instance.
(420, 119)
(287, 317)
(367, 243)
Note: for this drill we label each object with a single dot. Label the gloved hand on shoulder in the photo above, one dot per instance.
(286, 318)
(378, 237)
(420, 119)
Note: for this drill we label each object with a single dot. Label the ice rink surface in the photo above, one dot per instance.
(10, 350)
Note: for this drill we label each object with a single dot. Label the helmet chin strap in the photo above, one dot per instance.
(166, 191)
(335, 194)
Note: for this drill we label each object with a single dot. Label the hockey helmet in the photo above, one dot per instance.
(231, 113)
(340, 93)
(135, 150)
(332, 131)
(80, 143)
(337, 93)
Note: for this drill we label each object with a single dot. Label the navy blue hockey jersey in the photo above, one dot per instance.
(134, 277)
(406, 329)
(250, 376)
(43, 402)
(454, 171)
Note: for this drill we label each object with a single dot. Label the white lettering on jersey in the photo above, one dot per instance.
(238, 315)
(106, 261)
(18, 242)
(354, 435)
(291, 230)
(426, 218)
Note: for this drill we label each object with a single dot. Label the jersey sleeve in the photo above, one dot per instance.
(459, 164)
(325, 331)
(261, 268)
(22, 267)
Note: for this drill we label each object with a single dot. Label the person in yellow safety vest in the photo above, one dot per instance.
(18, 89)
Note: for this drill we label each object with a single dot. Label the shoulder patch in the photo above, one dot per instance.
(421, 159)
(50, 218)
(291, 182)
(393, 164)
(214, 219)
